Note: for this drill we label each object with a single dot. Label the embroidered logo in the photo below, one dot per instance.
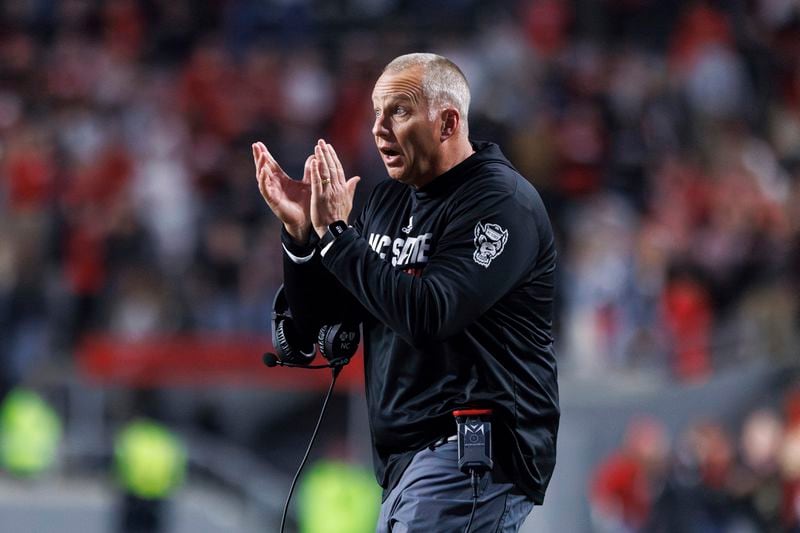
(490, 239)
(410, 226)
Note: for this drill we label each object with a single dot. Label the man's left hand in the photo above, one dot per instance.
(331, 194)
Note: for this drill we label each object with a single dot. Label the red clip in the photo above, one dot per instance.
(472, 412)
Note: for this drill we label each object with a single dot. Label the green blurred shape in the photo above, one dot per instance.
(30, 432)
(335, 497)
(150, 460)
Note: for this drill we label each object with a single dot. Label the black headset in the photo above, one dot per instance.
(337, 342)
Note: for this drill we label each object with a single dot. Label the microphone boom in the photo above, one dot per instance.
(271, 360)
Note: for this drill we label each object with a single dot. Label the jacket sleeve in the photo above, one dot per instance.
(488, 246)
(314, 295)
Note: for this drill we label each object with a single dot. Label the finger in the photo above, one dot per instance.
(265, 187)
(258, 157)
(272, 163)
(272, 191)
(351, 185)
(336, 166)
(339, 168)
(310, 162)
(263, 168)
(327, 156)
(322, 163)
(260, 182)
(329, 161)
(259, 149)
(260, 162)
(266, 179)
(316, 179)
(272, 179)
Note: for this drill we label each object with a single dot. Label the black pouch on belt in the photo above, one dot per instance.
(474, 439)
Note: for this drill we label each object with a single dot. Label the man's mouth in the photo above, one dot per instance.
(390, 157)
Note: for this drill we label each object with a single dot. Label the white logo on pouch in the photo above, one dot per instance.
(490, 240)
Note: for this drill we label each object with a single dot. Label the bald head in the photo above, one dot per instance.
(443, 83)
(420, 103)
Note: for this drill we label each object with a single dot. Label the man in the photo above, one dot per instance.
(450, 267)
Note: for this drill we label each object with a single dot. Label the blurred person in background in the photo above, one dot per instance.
(625, 485)
(756, 483)
(450, 267)
(150, 463)
(702, 485)
(789, 458)
(338, 497)
(790, 471)
(697, 495)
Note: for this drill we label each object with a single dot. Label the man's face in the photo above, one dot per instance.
(407, 139)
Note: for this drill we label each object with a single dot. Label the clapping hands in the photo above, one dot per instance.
(331, 194)
(323, 195)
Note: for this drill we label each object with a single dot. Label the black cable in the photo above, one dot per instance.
(474, 479)
(336, 371)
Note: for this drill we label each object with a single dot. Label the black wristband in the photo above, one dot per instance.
(335, 230)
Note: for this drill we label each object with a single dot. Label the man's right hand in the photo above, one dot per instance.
(289, 199)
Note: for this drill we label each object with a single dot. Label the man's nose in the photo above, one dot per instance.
(379, 128)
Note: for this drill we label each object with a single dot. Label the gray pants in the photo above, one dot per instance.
(434, 496)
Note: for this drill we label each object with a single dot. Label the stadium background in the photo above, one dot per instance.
(138, 261)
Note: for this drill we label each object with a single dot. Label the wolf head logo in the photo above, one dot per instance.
(490, 240)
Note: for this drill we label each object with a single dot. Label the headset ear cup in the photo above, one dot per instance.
(338, 341)
(280, 312)
(325, 347)
(279, 342)
(293, 352)
(285, 335)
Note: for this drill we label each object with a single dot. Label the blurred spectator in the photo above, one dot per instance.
(757, 484)
(706, 483)
(790, 470)
(625, 485)
(150, 463)
(30, 433)
(698, 498)
(337, 497)
(687, 321)
(599, 275)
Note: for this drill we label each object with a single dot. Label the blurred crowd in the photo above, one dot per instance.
(708, 479)
(664, 137)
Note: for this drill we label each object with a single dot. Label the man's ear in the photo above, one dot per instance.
(450, 123)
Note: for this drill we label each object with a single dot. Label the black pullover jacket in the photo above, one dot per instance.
(454, 285)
